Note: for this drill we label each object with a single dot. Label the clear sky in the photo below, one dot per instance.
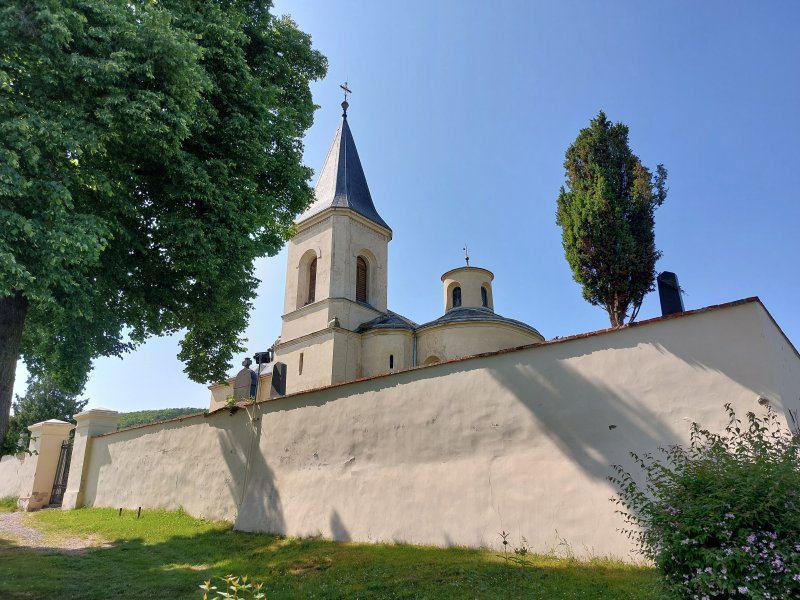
(462, 112)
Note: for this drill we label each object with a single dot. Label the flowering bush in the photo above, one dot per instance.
(721, 519)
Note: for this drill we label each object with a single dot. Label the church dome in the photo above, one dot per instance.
(469, 325)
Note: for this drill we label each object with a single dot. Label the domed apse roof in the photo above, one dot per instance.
(342, 183)
(465, 314)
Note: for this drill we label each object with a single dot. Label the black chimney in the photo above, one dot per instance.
(669, 292)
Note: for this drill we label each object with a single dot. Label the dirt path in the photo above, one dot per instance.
(13, 528)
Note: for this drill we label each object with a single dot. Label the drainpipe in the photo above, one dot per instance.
(414, 351)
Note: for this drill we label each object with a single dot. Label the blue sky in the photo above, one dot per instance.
(462, 112)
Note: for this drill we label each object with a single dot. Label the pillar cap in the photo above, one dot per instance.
(51, 425)
(97, 413)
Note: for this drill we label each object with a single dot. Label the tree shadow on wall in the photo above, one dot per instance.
(251, 481)
(591, 422)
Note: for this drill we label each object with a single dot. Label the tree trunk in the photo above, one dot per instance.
(12, 319)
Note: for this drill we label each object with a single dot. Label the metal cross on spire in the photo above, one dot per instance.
(466, 254)
(345, 104)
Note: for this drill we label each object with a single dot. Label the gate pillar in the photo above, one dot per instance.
(40, 468)
(90, 423)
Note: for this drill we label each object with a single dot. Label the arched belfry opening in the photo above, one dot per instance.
(307, 279)
(362, 280)
(456, 296)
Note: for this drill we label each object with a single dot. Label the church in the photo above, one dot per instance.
(337, 326)
(371, 427)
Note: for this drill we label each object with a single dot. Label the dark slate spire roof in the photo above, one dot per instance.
(342, 183)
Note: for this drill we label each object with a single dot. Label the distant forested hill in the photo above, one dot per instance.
(143, 417)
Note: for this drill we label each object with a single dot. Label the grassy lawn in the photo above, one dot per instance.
(168, 555)
(8, 504)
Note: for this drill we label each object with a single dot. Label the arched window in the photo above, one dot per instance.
(484, 297)
(312, 281)
(361, 279)
(456, 296)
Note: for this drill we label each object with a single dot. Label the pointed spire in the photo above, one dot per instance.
(342, 183)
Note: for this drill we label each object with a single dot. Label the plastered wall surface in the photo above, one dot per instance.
(13, 474)
(455, 340)
(377, 346)
(355, 236)
(318, 239)
(454, 453)
(197, 463)
(317, 361)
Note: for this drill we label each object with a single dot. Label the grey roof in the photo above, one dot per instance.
(391, 320)
(341, 183)
(465, 314)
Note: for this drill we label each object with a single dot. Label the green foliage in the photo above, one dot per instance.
(143, 417)
(165, 555)
(8, 504)
(149, 152)
(722, 517)
(606, 213)
(43, 400)
(235, 587)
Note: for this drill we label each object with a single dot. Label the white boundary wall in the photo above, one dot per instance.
(454, 453)
(13, 474)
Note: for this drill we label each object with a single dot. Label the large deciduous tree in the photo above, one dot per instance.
(606, 212)
(149, 152)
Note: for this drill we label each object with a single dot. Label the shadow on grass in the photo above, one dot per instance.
(174, 567)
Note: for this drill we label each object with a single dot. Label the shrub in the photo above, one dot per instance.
(722, 517)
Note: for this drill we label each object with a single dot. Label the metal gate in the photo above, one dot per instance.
(62, 472)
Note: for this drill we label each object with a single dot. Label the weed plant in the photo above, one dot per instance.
(721, 518)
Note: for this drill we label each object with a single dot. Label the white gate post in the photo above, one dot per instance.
(90, 423)
(40, 467)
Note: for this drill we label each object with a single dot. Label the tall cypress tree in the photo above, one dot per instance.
(606, 212)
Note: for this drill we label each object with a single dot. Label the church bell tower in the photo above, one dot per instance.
(336, 275)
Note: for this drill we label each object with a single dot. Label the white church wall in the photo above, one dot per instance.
(306, 320)
(378, 345)
(454, 453)
(316, 238)
(454, 340)
(309, 361)
(356, 236)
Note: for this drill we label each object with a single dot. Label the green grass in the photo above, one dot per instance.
(168, 555)
(8, 504)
